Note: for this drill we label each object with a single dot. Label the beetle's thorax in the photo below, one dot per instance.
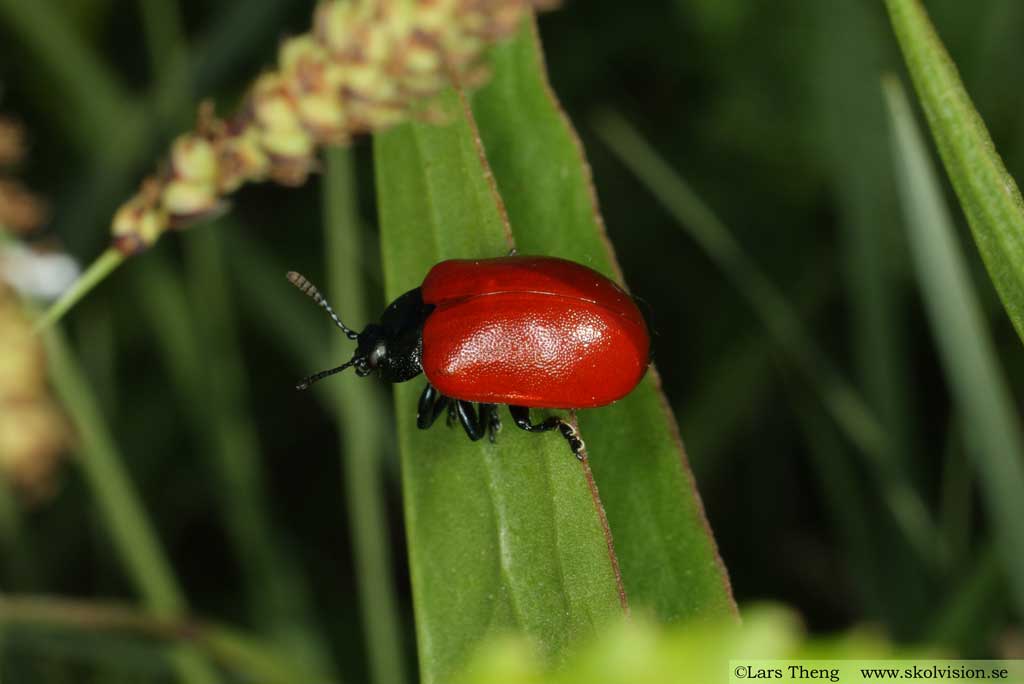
(393, 348)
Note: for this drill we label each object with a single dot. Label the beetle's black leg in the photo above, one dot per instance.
(490, 420)
(431, 404)
(468, 419)
(521, 416)
(452, 407)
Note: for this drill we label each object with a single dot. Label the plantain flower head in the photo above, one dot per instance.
(364, 66)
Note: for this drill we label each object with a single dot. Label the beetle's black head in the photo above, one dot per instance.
(391, 348)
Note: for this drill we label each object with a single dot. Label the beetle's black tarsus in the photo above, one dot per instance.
(476, 422)
(466, 413)
(490, 420)
(432, 404)
(521, 416)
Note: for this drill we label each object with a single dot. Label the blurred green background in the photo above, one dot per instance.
(773, 113)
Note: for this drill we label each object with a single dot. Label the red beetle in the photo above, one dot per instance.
(527, 331)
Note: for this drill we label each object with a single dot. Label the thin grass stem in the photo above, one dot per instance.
(93, 276)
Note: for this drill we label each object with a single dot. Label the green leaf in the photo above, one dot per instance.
(965, 345)
(502, 536)
(988, 195)
(508, 536)
(667, 554)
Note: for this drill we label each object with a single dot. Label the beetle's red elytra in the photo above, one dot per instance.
(531, 331)
(527, 331)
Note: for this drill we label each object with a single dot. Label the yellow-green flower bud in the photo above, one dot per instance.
(140, 222)
(292, 143)
(273, 108)
(242, 159)
(362, 68)
(333, 25)
(186, 199)
(193, 159)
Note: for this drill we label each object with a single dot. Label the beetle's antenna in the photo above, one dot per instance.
(306, 287)
(322, 374)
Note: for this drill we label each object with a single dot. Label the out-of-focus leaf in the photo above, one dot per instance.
(965, 346)
(640, 652)
(988, 195)
(667, 554)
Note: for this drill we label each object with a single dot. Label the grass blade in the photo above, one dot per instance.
(965, 346)
(988, 194)
(668, 556)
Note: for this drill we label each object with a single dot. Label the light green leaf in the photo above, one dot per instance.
(988, 195)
